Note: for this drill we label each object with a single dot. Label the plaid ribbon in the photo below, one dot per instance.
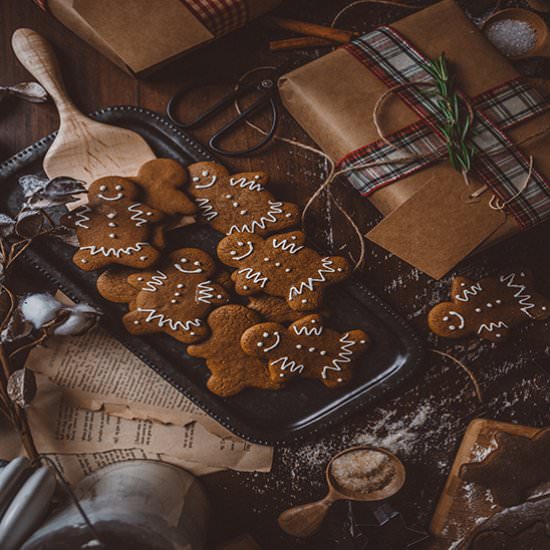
(498, 162)
(218, 16)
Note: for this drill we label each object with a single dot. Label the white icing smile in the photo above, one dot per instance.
(180, 268)
(205, 174)
(459, 318)
(246, 254)
(117, 197)
(276, 343)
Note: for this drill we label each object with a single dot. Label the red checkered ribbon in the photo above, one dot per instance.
(219, 16)
(498, 162)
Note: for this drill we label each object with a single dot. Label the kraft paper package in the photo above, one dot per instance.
(142, 35)
(428, 221)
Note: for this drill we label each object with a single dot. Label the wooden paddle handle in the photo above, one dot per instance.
(305, 520)
(38, 57)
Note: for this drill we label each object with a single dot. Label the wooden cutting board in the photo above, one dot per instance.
(463, 505)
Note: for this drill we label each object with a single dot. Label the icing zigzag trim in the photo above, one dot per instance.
(308, 331)
(204, 292)
(521, 295)
(289, 364)
(309, 284)
(136, 213)
(116, 252)
(343, 357)
(270, 217)
(491, 326)
(82, 217)
(466, 293)
(286, 245)
(207, 210)
(243, 183)
(155, 281)
(174, 325)
(255, 276)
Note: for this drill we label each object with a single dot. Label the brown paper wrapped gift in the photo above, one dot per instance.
(427, 220)
(143, 35)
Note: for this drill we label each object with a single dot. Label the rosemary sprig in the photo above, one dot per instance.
(457, 123)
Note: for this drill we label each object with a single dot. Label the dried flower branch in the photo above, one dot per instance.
(27, 321)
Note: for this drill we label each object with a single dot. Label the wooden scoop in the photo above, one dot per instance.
(304, 520)
(83, 148)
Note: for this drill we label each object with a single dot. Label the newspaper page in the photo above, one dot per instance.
(94, 438)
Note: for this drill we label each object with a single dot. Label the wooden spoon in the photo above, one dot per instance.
(304, 520)
(83, 148)
(541, 47)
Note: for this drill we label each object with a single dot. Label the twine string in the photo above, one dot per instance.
(471, 375)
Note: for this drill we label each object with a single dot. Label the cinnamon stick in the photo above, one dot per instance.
(299, 43)
(311, 29)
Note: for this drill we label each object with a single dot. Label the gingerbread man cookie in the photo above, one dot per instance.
(516, 467)
(306, 349)
(239, 202)
(113, 285)
(232, 369)
(115, 229)
(489, 307)
(177, 297)
(281, 266)
(161, 181)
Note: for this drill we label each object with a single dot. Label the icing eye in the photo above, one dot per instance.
(183, 260)
(322, 352)
(260, 344)
(452, 327)
(180, 285)
(235, 204)
(477, 309)
(265, 334)
(446, 318)
(103, 188)
(298, 346)
(498, 301)
(196, 263)
(240, 243)
(205, 173)
(118, 187)
(228, 196)
(232, 253)
(196, 178)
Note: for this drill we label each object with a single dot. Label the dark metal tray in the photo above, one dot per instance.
(302, 408)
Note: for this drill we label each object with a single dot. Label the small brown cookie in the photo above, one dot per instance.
(115, 229)
(239, 202)
(515, 468)
(232, 369)
(177, 297)
(489, 307)
(161, 181)
(282, 266)
(113, 285)
(272, 308)
(307, 349)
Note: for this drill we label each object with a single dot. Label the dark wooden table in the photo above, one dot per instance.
(425, 418)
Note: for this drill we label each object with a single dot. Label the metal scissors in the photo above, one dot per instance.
(267, 99)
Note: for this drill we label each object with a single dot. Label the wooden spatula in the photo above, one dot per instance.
(83, 148)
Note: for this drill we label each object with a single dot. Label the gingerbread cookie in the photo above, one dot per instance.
(239, 202)
(177, 297)
(232, 369)
(307, 349)
(113, 285)
(115, 229)
(489, 307)
(161, 182)
(281, 266)
(515, 468)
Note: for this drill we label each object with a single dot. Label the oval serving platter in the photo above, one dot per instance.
(265, 417)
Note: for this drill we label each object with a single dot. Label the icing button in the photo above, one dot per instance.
(136, 322)
(288, 270)
(143, 258)
(245, 287)
(112, 236)
(180, 285)
(322, 352)
(311, 349)
(477, 309)
(299, 346)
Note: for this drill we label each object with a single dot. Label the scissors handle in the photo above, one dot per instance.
(241, 119)
(215, 109)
